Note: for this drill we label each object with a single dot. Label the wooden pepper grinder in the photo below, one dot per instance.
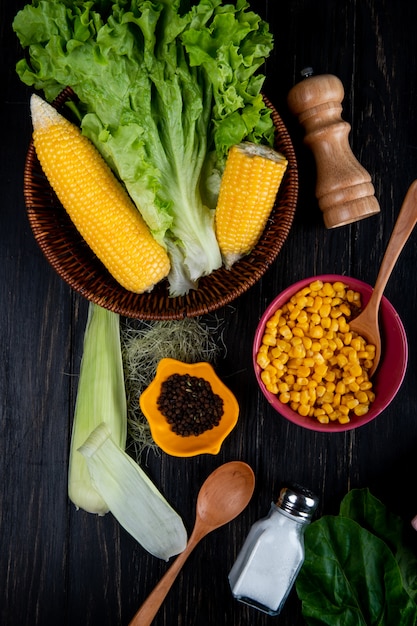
(344, 189)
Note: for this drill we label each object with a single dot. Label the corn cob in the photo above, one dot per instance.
(248, 189)
(96, 202)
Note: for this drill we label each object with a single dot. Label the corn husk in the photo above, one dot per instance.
(132, 497)
(101, 397)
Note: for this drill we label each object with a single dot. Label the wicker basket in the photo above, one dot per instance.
(76, 264)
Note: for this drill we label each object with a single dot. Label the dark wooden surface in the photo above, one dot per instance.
(66, 567)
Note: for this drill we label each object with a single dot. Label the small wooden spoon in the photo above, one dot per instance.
(366, 324)
(223, 495)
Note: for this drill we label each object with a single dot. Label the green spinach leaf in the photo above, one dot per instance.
(351, 578)
(361, 506)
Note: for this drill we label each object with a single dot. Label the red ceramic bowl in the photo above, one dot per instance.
(386, 380)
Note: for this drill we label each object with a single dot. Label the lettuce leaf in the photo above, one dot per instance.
(164, 90)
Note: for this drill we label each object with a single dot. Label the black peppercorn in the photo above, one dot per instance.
(189, 404)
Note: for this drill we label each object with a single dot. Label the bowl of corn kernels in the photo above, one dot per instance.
(312, 369)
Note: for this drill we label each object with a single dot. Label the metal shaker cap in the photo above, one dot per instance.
(298, 501)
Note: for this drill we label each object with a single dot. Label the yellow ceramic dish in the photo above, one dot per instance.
(208, 442)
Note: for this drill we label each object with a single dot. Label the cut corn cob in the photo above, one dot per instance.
(248, 189)
(96, 202)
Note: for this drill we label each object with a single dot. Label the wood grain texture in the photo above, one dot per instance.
(62, 566)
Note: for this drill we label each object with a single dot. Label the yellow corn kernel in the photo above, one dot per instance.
(341, 360)
(324, 310)
(266, 377)
(268, 340)
(309, 362)
(342, 408)
(262, 360)
(362, 396)
(347, 338)
(345, 309)
(295, 396)
(284, 397)
(344, 419)
(298, 352)
(294, 313)
(315, 304)
(327, 354)
(361, 409)
(283, 357)
(283, 345)
(351, 404)
(303, 410)
(298, 332)
(316, 285)
(303, 317)
(271, 331)
(320, 371)
(339, 288)
(316, 332)
(355, 370)
(328, 289)
(357, 343)
(331, 387)
(274, 351)
(294, 363)
(315, 346)
(272, 388)
(326, 323)
(330, 376)
(320, 391)
(334, 415)
(273, 321)
(340, 388)
(323, 419)
(96, 202)
(315, 318)
(285, 331)
(248, 190)
(327, 397)
(278, 365)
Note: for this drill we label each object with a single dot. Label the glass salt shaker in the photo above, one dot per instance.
(273, 553)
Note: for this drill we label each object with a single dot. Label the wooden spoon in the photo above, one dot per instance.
(223, 495)
(366, 324)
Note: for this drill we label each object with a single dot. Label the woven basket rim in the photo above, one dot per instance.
(78, 266)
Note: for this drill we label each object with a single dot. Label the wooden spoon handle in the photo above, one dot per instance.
(404, 225)
(150, 607)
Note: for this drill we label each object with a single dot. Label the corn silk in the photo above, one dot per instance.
(144, 344)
